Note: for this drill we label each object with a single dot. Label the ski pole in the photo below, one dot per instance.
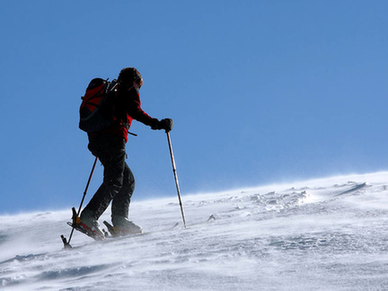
(176, 177)
(65, 242)
(87, 186)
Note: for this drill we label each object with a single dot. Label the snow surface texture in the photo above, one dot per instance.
(326, 234)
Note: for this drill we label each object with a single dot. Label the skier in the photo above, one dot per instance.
(109, 146)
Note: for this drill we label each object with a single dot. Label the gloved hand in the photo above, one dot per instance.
(165, 124)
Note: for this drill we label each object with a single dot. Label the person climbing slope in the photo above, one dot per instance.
(108, 145)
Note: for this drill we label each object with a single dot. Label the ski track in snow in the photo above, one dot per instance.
(324, 234)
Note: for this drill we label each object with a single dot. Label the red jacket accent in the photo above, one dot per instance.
(127, 106)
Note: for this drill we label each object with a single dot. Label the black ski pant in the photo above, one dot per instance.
(119, 183)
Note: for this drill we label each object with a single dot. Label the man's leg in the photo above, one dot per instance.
(120, 206)
(120, 203)
(111, 153)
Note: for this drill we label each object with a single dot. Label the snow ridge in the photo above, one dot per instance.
(325, 234)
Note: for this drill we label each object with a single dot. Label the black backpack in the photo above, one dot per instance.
(97, 108)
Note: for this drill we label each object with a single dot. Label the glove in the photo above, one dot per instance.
(166, 124)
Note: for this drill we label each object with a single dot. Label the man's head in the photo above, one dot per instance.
(129, 76)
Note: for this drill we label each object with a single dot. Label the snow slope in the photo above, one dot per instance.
(325, 234)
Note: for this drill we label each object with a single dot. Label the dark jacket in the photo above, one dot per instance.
(126, 107)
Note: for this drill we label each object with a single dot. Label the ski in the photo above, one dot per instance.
(114, 233)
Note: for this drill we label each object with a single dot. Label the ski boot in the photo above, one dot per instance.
(122, 227)
(87, 225)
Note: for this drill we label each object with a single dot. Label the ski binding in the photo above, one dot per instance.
(78, 225)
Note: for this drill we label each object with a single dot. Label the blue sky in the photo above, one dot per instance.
(260, 92)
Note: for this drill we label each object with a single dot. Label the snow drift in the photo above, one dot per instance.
(325, 234)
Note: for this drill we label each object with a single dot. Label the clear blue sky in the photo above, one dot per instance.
(260, 92)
